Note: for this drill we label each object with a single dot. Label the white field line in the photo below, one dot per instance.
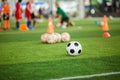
(88, 76)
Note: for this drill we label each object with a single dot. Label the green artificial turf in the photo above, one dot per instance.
(24, 57)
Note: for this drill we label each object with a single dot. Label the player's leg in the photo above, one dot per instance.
(4, 22)
(17, 24)
(29, 22)
(0, 23)
(34, 21)
(65, 22)
(18, 18)
(8, 21)
(70, 23)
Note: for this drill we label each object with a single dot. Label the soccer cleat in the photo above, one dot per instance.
(63, 27)
(31, 28)
(17, 28)
(72, 24)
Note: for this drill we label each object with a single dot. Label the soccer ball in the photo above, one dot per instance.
(52, 38)
(44, 37)
(65, 37)
(58, 37)
(74, 48)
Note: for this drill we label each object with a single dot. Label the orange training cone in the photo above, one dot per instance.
(23, 27)
(105, 25)
(50, 26)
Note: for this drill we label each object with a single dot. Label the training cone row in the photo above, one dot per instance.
(105, 27)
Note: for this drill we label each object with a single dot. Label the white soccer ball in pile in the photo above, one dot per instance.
(55, 37)
(44, 37)
(65, 37)
(58, 37)
(74, 48)
(52, 38)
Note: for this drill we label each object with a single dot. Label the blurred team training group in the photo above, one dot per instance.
(63, 19)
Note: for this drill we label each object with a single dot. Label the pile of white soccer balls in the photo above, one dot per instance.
(55, 37)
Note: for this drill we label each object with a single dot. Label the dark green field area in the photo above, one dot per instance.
(24, 57)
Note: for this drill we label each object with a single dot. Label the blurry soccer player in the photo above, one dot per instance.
(28, 13)
(6, 14)
(18, 14)
(34, 14)
(63, 19)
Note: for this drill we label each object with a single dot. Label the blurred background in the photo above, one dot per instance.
(74, 8)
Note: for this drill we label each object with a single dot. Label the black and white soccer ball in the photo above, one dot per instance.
(74, 48)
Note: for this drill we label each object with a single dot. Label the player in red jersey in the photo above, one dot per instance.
(18, 14)
(28, 12)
